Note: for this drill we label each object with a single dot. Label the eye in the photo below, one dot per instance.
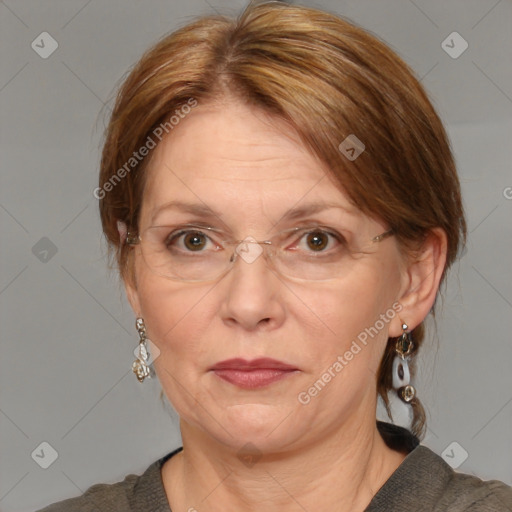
(190, 241)
(317, 240)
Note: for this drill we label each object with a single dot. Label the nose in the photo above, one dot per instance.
(252, 292)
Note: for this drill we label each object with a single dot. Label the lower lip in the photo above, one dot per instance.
(251, 379)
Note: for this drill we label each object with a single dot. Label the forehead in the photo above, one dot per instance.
(235, 156)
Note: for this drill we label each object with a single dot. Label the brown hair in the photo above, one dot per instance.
(328, 78)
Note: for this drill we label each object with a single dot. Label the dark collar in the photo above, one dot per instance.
(397, 438)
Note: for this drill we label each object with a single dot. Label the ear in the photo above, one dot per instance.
(421, 278)
(130, 284)
(132, 295)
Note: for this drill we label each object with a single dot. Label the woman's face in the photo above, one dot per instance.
(257, 178)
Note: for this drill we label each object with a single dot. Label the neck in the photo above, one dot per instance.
(342, 472)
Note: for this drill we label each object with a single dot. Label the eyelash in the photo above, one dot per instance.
(172, 237)
(175, 235)
(331, 233)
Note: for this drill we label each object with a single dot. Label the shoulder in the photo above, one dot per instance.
(136, 492)
(471, 494)
(99, 498)
(459, 492)
(424, 481)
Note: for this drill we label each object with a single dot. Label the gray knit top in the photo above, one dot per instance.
(423, 482)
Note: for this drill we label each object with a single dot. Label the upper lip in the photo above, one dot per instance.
(261, 363)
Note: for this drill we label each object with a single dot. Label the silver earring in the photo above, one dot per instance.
(140, 366)
(401, 374)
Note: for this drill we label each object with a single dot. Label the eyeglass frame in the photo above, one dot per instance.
(133, 239)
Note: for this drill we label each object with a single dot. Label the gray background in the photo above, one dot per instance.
(66, 328)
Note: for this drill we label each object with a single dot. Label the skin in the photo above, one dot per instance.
(326, 455)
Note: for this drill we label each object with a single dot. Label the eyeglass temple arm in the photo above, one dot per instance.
(382, 236)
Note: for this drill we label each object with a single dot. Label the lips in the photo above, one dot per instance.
(253, 374)
(264, 363)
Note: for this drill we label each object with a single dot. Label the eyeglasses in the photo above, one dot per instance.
(195, 253)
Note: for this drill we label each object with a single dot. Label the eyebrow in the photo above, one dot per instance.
(311, 208)
(193, 208)
(294, 213)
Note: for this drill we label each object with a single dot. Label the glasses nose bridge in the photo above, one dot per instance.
(249, 250)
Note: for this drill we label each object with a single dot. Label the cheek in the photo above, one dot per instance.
(350, 306)
(354, 312)
(346, 344)
(176, 316)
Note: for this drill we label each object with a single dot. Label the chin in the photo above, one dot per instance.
(265, 426)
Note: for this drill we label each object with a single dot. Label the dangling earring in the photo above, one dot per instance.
(401, 374)
(140, 366)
